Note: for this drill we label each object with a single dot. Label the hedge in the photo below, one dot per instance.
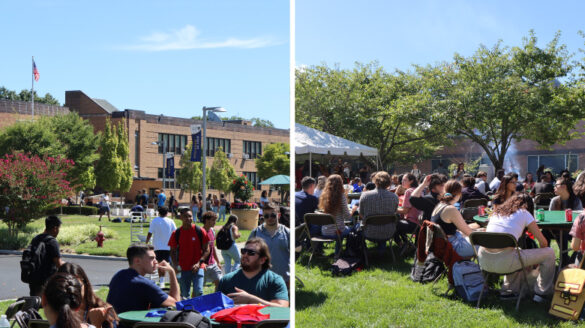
(78, 210)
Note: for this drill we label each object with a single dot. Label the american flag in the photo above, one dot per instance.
(35, 71)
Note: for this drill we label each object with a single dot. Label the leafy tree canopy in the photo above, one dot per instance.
(256, 121)
(190, 176)
(274, 161)
(24, 95)
(222, 173)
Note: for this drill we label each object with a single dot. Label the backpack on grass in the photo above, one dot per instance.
(352, 258)
(428, 271)
(569, 294)
(468, 280)
(223, 240)
(346, 266)
(32, 260)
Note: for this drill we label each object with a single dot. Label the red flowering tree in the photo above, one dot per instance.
(29, 186)
(243, 190)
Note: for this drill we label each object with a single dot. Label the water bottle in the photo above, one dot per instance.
(179, 272)
(4, 323)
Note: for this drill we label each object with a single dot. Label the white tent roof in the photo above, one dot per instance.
(308, 140)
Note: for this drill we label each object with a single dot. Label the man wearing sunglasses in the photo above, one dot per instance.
(254, 282)
(277, 238)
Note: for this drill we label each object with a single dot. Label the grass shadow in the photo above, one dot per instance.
(308, 298)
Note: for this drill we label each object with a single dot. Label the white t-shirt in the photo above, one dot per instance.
(513, 224)
(495, 184)
(161, 228)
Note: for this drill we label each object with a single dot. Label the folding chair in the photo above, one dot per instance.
(163, 324)
(475, 202)
(36, 323)
(542, 200)
(497, 240)
(378, 220)
(470, 208)
(319, 219)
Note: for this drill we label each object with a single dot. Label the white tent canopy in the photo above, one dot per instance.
(308, 140)
(311, 141)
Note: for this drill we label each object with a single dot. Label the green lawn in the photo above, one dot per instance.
(384, 296)
(115, 246)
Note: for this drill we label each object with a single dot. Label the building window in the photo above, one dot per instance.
(213, 144)
(556, 162)
(253, 178)
(169, 182)
(174, 143)
(253, 149)
(136, 148)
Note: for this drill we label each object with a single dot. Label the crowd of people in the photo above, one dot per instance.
(257, 273)
(437, 198)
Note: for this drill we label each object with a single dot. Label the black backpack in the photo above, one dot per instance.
(354, 246)
(345, 266)
(189, 316)
(32, 260)
(352, 258)
(430, 271)
(223, 240)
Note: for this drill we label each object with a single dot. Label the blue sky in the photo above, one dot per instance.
(169, 57)
(401, 33)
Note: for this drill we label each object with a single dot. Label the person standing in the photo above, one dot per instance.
(105, 205)
(189, 250)
(277, 237)
(212, 266)
(232, 253)
(161, 199)
(416, 172)
(172, 207)
(144, 199)
(162, 227)
(50, 259)
(215, 204)
(222, 207)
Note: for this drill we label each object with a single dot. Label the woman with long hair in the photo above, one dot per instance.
(448, 217)
(61, 299)
(409, 213)
(92, 310)
(579, 187)
(565, 197)
(506, 189)
(264, 199)
(231, 254)
(512, 217)
(529, 184)
(459, 171)
(334, 202)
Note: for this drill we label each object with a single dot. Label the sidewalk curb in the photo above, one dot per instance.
(71, 256)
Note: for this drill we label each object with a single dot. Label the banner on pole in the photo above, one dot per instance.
(196, 138)
(170, 169)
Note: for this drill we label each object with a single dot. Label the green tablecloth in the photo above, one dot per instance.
(276, 313)
(552, 219)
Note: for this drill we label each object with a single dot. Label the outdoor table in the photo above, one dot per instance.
(554, 220)
(131, 317)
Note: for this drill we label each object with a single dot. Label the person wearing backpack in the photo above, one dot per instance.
(189, 252)
(226, 242)
(44, 251)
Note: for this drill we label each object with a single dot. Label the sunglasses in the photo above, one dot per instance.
(248, 251)
(272, 215)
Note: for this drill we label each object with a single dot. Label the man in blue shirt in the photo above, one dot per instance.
(277, 238)
(254, 282)
(305, 202)
(131, 291)
(161, 199)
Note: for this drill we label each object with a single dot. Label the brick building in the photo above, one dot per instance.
(239, 139)
(12, 111)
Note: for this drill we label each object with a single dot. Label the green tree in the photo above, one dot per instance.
(369, 106)
(221, 173)
(109, 166)
(501, 95)
(274, 161)
(190, 175)
(31, 137)
(256, 121)
(123, 152)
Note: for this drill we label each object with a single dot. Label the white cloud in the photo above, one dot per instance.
(188, 38)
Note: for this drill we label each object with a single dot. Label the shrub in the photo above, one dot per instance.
(242, 188)
(74, 210)
(77, 234)
(19, 240)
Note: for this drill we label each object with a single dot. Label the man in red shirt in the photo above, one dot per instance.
(189, 249)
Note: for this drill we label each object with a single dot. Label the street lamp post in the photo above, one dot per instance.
(203, 150)
(164, 159)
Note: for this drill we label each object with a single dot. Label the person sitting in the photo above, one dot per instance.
(357, 185)
(578, 234)
(528, 184)
(545, 185)
(565, 197)
(410, 213)
(306, 202)
(320, 186)
(333, 201)
(426, 203)
(579, 187)
(506, 189)
(92, 309)
(61, 300)
(450, 220)
(481, 182)
(470, 192)
(131, 291)
(495, 183)
(254, 282)
(512, 217)
(377, 202)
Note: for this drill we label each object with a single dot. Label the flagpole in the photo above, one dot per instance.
(32, 90)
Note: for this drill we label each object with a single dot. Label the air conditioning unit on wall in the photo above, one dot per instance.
(245, 156)
(230, 155)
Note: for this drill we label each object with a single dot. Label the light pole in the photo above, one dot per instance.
(164, 159)
(203, 150)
